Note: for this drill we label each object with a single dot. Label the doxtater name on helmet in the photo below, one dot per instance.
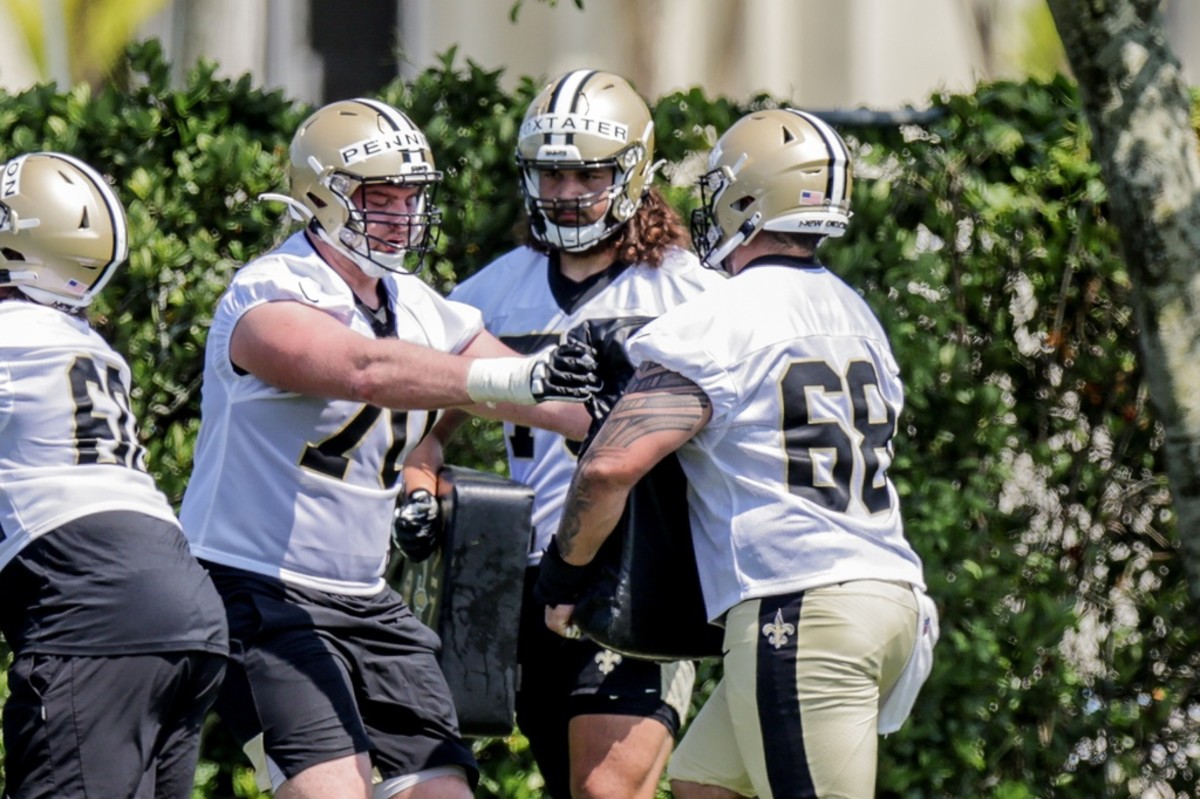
(398, 141)
(567, 124)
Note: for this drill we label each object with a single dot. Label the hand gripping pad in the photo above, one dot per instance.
(469, 592)
(646, 601)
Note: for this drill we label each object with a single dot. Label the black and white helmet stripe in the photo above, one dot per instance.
(116, 211)
(393, 116)
(399, 121)
(566, 100)
(837, 188)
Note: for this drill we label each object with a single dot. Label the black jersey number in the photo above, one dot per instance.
(331, 457)
(521, 442)
(821, 452)
(104, 427)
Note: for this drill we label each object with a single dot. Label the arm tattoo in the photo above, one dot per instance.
(578, 501)
(657, 399)
(651, 376)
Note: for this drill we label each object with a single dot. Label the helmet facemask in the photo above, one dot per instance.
(412, 233)
(583, 235)
(712, 244)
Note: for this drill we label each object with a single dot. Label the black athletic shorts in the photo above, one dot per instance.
(563, 678)
(324, 675)
(119, 726)
(119, 644)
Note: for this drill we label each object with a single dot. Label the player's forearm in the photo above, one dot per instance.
(422, 465)
(569, 419)
(406, 376)
(594, 506)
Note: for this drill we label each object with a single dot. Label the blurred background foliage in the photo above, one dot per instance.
(1029, 463)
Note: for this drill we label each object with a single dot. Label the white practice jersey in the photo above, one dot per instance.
(299, 487)
(528, 305)
(787, 484)
(68, 440)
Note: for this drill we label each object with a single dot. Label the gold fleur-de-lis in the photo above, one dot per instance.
(420, 596)
(607, 660)
(777, 631)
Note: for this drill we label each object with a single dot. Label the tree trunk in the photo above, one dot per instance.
(1139, 110)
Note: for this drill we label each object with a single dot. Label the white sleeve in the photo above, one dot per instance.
(265, 280)
(6, 395)
(679, 341)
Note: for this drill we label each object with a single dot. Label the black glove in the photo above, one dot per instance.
(567, 372)
(417, 529)
(606, 338)
(559, 582)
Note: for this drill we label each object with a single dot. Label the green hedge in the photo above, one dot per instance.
(1029, 464)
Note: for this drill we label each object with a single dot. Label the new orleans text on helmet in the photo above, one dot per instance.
(12, 178)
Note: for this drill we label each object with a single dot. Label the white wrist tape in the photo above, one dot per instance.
(501, 380)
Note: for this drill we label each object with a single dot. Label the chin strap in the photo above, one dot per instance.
(716, 258)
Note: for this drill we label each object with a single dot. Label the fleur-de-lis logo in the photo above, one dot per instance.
(607, 660)
(420, 596)
(777, 631)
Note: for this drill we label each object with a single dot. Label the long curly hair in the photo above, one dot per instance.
(644, 239)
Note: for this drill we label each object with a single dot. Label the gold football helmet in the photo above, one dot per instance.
(585, 119)
(62, 229)
(347, 146)
(782, 170)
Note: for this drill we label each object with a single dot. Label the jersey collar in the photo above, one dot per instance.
(809, 264)
(570, 295)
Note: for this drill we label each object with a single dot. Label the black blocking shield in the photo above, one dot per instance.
(646, 601)
(469, 592)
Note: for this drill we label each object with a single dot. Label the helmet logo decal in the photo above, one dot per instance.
(396, 141)
(569, 124)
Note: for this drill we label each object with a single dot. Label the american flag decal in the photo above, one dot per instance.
(811, 197)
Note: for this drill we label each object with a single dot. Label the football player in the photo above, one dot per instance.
(119, 639)
(324, 357)
(603, 247)
(781, 396)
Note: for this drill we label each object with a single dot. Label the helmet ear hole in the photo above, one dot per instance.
(11, 254)
(742, 204)
(85, 222)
